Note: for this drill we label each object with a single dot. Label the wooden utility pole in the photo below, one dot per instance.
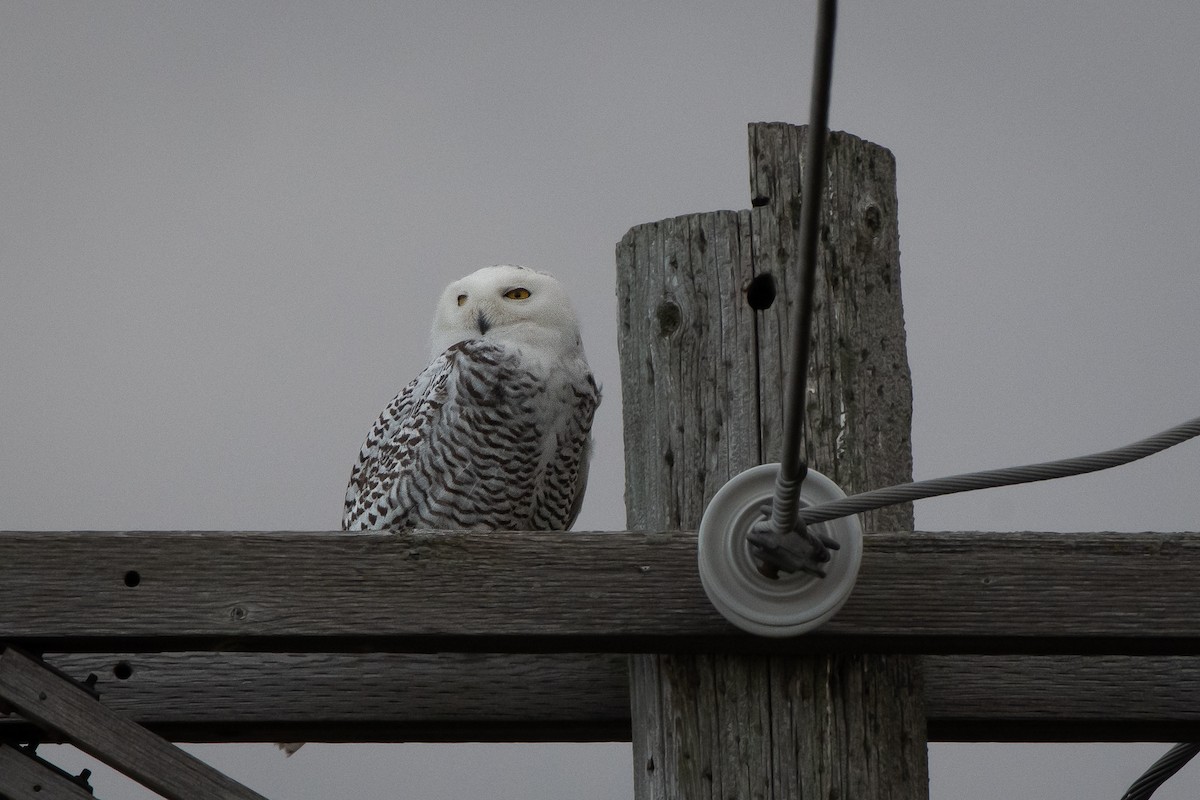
(705, 305)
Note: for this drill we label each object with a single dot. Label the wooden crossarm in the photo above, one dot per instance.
(387, 697)
(946, 593)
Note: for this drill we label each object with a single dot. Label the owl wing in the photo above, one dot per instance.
(456, 449)
(391, 447)
(560, 489)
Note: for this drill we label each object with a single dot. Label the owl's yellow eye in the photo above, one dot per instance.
(517, 294)
(462, 298)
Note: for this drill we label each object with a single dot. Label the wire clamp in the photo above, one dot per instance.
(777, 534)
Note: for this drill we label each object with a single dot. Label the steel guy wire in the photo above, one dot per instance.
(1161, 770)
(792, 470)
(1010, 476)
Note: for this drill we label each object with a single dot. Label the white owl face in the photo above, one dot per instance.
(515, 305)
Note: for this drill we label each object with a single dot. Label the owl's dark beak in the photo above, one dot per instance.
(483, 322)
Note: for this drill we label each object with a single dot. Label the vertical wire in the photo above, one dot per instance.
(792, 469)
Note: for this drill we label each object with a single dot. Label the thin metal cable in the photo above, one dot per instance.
(1162, 769)
(792, 471)
(903, 493)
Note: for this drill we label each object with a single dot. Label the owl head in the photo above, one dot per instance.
(511, 305)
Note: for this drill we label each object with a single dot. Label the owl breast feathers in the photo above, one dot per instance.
(495, 434)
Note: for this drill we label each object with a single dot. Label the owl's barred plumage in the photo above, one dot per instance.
(495, 433)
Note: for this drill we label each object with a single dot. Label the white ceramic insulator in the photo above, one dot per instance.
(792, 603)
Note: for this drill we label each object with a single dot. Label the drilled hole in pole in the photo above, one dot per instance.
(760, 294)
(122, 671)
(132, 578)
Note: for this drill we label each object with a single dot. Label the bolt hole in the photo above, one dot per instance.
(122, 671)
(760, 294)
(132, 578)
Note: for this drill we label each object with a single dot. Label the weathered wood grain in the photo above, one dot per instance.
(23, 777)
(728, 725)
(388, 697)
(54, 703)
(688, 364)
(955, 592)
(1063, 698)
(363, 697)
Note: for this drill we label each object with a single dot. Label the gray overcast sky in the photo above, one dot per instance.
(223, 226)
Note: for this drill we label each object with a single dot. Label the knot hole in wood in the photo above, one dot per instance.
(669, 318)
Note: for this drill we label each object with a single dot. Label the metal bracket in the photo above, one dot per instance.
(25, 776)
(56, 703)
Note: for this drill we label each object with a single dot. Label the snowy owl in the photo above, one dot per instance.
(495, 434)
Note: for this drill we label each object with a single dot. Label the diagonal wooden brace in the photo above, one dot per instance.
(58, 704)
(24, 776)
